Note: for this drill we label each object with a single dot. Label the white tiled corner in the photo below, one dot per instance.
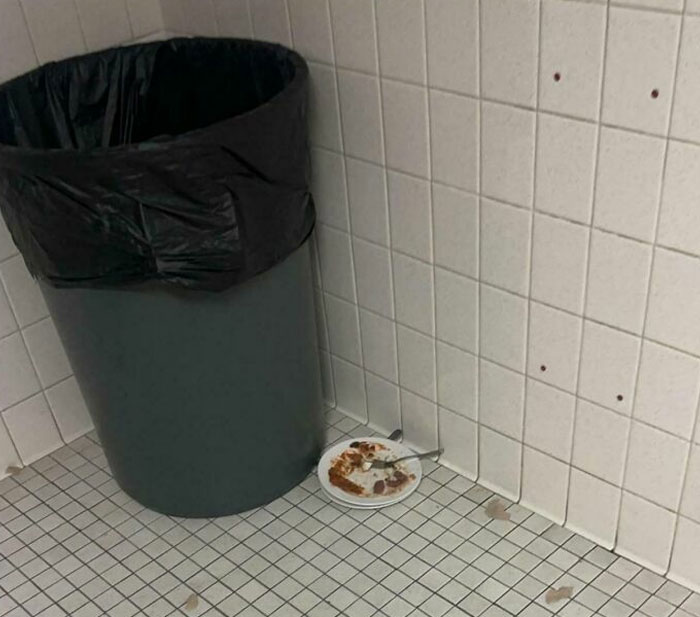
(507, 153)
(7, 319)
(499, 463)
(458, 438)
(271, 21)
(17, 378)
(656, 465)
(600, 442)
(640, 61)
(618, 279)
(69, 409)
(328, 188)
(369, 212)
(311, 29)
(674, 301)
(401, 34)
(684, 563)
(593, 508)
(668, 389)
(690, 500)
(566, 155)
(685, 119)
(645, 533)
(559, 258)
(554, 345)
(509, 31)
(679, 218)
(409, 208)
(455, 220)
(629, 183)
(503, 327)
(454, 142)
(349, 384)
(452, 29)
(545, 485)
(571, 57)
(7, 245)
(55, 28)
(336, 262)
(8, 454)
(324, 118)
(354, 34)
(501, 399)
(343, 329)
(383, 405)
(373, 275)
(33, 429)
(23, 292)
(419, 421)
(232, 18)
(46, 352)
(405, 109)
(417, 363)
(18, 52)
(609, 360)
(361, 115)
(327, 379)
(456, 306)
(414, 291)
(379, 345)
(549, 419)
(456, 380)
(105, 23)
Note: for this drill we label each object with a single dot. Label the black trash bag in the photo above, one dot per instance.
(183, 161)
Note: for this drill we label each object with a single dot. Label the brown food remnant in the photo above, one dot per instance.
(654, 94)
(397, 479)
(554, 595)
(192, 602)
(13, 470)
(496, 510)
(355, 444)
(557, 76)
(378, 487)
(337, 478)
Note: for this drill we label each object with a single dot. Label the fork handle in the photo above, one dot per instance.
(419, 455)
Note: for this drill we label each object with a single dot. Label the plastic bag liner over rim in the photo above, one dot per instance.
(183, 161)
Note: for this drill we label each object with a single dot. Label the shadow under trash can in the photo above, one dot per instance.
(159, 193)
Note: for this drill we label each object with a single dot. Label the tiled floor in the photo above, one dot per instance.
(71, 543)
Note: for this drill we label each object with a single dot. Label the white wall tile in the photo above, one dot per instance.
(17, 378)
(549, 419)
(383, 404)
(69, 409)
(409, 208)
(456, 380)
(559, 257)
(349, 387)
(361, 115)
(419, 421)
(336, 262)
(501, 399)
(668, 389)
(685, 119)
(640, 59)
(458, 438)
(600, 442)
(354, 34)
(656, 465)
(311, 29)
(572, 41)
(452, 28)
(545, 485)
(105, 23)
(503, 325)
(414, 290)
(324, 120)
(690, 501)
(554, 345)
(509, 50)
(405, 109)
(679, 219)
(608, 366)
(454, 139)
(456, 306)
(369, 211)
(46, 352)
(328, 188)
(374, 280)
(593, 508)
(566, 153)
(629, 183)
(455, 220)
(417, 363)
(618, 278)
(499, 463)
(401, 34)
(507, 153)
(270, 21)
(379, 345)
(189, 17)
(55, 28)
(505, 246)
(646, 533)
(343, 329)
(8, 454)
(674, 301)
(23, 292)
(232, 18)
(669, 5)
(685, 567)
(17, 50)
(33, 429)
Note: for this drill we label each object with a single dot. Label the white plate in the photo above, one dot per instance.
(345, 504)
(393, 450)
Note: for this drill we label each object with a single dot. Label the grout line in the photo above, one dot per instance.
(479, 171)
(251, 21)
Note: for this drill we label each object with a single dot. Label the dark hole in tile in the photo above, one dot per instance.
(654, 94)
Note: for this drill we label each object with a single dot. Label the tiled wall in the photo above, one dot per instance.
(40, 403)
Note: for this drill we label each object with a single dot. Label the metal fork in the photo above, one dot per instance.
(377, 464)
